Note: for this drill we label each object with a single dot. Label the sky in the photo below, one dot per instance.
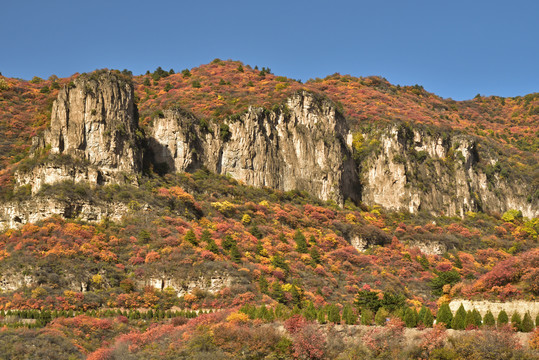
(455, 49)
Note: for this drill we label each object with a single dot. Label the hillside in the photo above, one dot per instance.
(130, 202)
(506, 128)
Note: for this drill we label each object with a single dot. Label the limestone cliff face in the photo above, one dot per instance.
(414, 170)
(301, 146)
(305, 144)
(94, 124)
(95, 119)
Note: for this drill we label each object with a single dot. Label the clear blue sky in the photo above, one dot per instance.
(453, 48)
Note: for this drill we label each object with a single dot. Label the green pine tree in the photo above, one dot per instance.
(309, 311)
(191, 238)
(278, 261)
(262, 312)
(444, 316)
(469, 319)
(301, 241)
(516, 321)
(477, 319)
(334, 315)
(281, 312)
(235, 254)
(410, 318)
(428, 319)
(348, 315)
(228, 242)
(321, 317)
(297, 295)
(502, 318)
(380, 317)
(263, 284)
(259, 248)
(527, 323)
(366, 316)
(277, 292)
(255, 231)
(205, 236)
(489, 320)
(315, 256)
(212, 246)
(537, 320)
(421, 314)
(459, 321)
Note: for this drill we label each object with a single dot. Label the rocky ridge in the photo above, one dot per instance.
(94, 123)
(300, 146)
(415, 169)
(304, 144)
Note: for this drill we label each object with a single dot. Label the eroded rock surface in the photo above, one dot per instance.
(301, 146)
(415, 170)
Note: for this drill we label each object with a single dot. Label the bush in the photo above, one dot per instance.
(487, 344)
(224, 132)
(534, 339)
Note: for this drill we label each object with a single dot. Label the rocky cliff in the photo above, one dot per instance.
(94, 122)
(304, 144)
(418, 169)
(299, 146)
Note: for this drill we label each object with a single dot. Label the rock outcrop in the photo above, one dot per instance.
(17, 213)
(211, 283)
(94, 124)
(95, 119)
(413, 169)
(300, 146)
(305, 144)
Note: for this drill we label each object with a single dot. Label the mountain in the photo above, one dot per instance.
(223, 187)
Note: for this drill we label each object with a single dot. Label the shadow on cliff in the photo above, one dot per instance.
(159, 159)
